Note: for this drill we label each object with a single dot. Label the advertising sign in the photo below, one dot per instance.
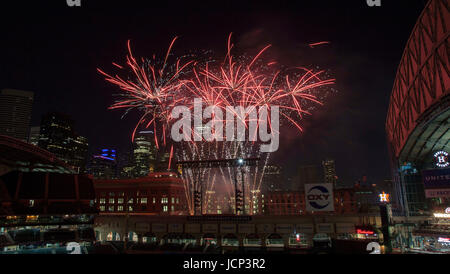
(319, 197)
(441, 158)
(436, 183)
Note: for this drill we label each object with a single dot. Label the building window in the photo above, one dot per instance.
(173, 200)
(111, 194)
(120, 208)
(31, 203)
(111, 208)
(130, 208)
(143, 200)
(178, 200)
(154, 200)
(102, 201)
(165, 208)
(120, 201)
(111, 200)
(172, 208)
(164, 200)
(130, 201)
(102, 208)
(121, 194)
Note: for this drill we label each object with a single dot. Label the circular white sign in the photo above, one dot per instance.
(441, 158)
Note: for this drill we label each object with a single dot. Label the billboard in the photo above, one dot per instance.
(319, 197)
(436, 183)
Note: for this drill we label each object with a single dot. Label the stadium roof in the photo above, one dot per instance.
(417, 118)
(18, 155)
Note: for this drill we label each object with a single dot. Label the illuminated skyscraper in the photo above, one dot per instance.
(329, 172)
(103, 165)
(79, 150)
(58, 137)
(144, 152)
(15, 113)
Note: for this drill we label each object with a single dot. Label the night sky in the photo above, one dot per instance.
(54, 50)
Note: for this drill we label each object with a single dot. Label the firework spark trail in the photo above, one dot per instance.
(312, 45)
(153, 89)
(239, 83)
(157, 87)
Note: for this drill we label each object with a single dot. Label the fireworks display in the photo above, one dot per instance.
(157, 86)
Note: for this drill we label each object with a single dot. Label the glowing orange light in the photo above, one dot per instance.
(384, 197)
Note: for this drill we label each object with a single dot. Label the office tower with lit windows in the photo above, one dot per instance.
(329, 172)
(144, 153)
(15, 113)
(58, 137)
(103, 165)
(79, 150)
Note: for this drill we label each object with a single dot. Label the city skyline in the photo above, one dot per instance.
(358, 147)
(113, 138)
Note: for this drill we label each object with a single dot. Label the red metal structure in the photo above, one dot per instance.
(15, 153)
(418, 118)
(423, 76)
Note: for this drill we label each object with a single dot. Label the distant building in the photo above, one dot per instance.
(79, 157)
(103, 165)
(33, 136)
(160, 193)
(285, 203)
(329, 172)
(58, 137)
(15, 113)
(256, 204)
(144, 152)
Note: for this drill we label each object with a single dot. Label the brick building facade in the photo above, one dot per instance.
(293, 202)
(160, 193)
